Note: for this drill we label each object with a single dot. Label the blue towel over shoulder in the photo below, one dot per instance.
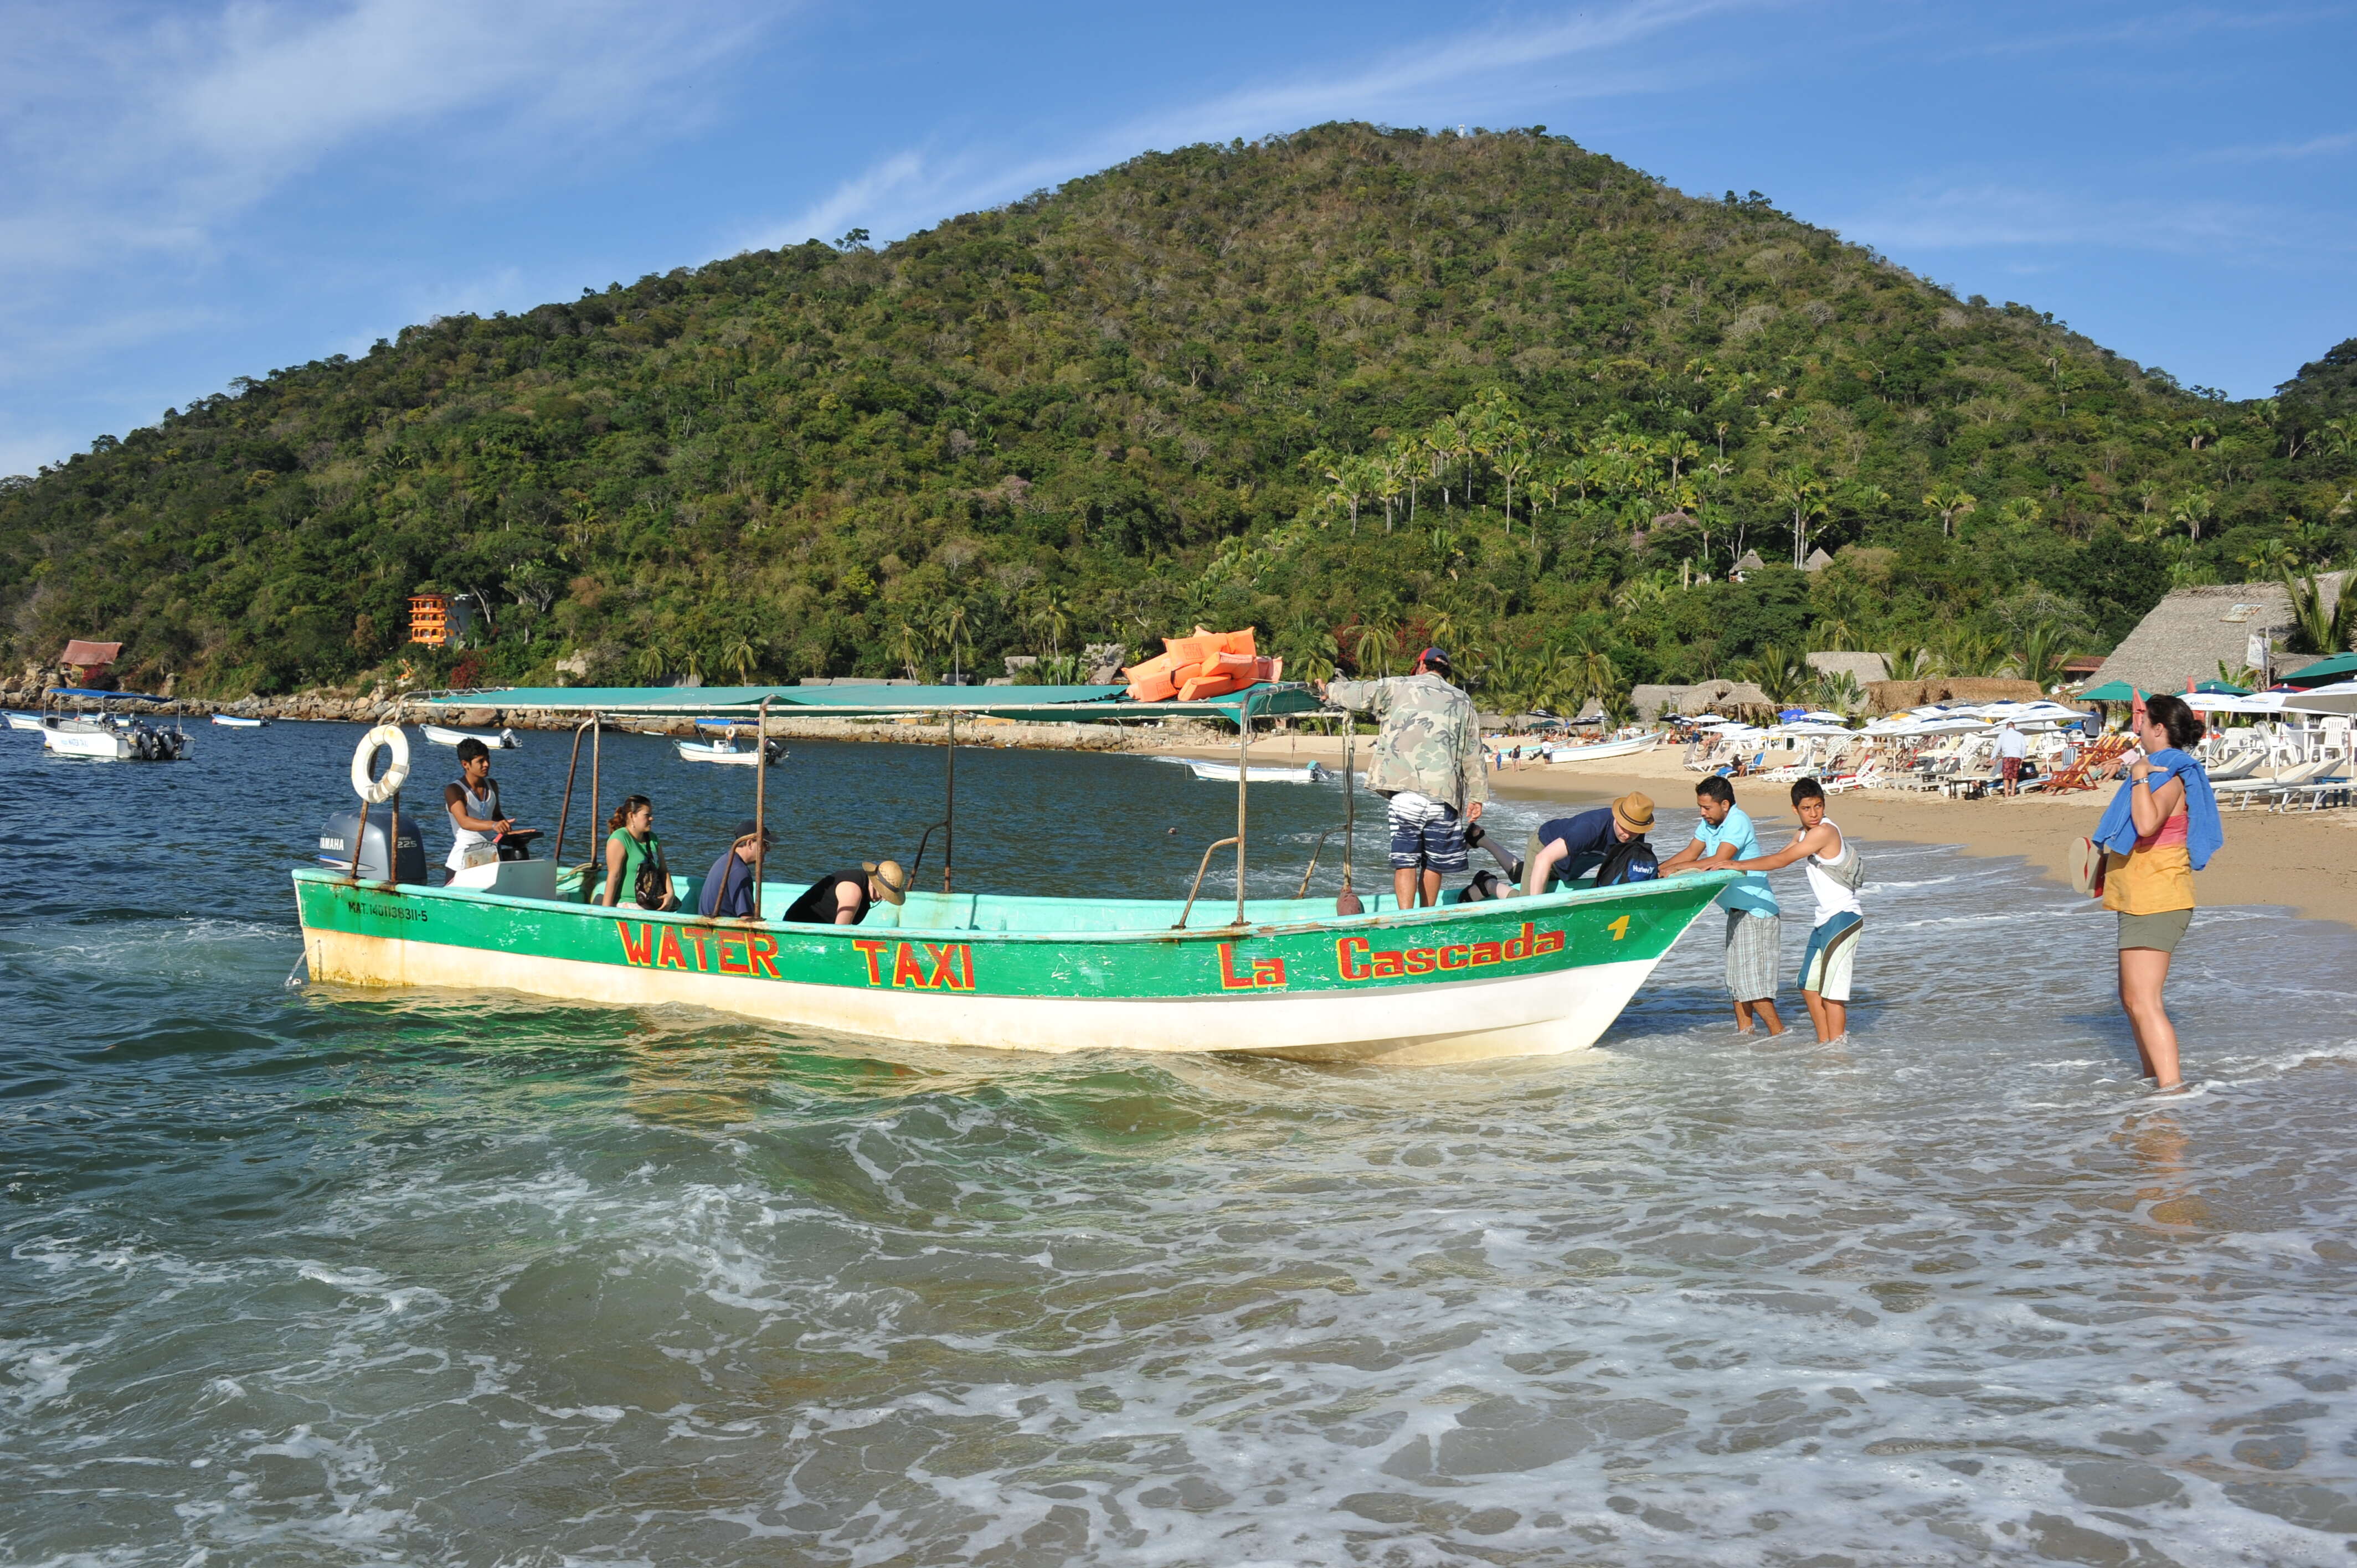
(2203, 831)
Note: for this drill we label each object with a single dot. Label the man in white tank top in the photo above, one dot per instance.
(1832, 942)
(474, 806)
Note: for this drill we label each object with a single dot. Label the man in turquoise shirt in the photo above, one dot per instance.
(1754, 932)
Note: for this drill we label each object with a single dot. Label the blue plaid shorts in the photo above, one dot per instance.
(1427, 834)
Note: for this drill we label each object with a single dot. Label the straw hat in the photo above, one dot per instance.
(1634, 813)
(889, 879)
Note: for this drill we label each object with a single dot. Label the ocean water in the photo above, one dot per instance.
(296, 1277)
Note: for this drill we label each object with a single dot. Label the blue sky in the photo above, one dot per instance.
(194, 191)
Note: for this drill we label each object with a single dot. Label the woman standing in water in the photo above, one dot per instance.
(2159, 830)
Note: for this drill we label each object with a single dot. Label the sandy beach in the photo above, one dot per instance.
(2304, 861)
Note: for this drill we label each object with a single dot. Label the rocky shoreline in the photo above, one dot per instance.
(315, 707)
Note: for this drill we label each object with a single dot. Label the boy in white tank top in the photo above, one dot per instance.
(1832, 942)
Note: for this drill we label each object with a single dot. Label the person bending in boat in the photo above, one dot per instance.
(728, 893)
(1568, 847)
(474, 806)
(1428, 765)
(635, 868)
(844, 897)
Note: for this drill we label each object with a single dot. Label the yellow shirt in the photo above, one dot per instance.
(2155, 877)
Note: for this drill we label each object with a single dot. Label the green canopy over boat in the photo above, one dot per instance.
(1049, 704)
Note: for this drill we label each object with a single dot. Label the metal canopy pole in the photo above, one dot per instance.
(1243, 774)
(949, 834)
(596, 804)
(565, 811)
(761, 806)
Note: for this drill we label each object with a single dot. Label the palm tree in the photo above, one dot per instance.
(1373, 646)
(1782, 674)
(2315, 628)
(1053, 614)
(1593, 675)
(2193, 508)
(744, 654)
(654, 660)
(2042, 655)
(1440, 442)
(950, 631)
(908, 643)
(1951, 502)
(1799, 487)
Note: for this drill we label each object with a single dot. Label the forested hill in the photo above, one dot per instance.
(1362, 387)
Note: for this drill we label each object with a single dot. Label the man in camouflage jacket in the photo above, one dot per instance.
(1429, 761)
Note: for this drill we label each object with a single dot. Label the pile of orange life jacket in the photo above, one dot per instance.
(1207, 664)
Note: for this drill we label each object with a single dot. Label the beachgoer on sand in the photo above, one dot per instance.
(1754, 923)
(1835, 874)
(2012, 750)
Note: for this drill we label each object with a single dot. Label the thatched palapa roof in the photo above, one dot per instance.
(1896, 696)
(2193, 630)
(1866, 668)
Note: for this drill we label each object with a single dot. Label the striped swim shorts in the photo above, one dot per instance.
(1427, 833)
(1825, 966)
(1754, 943)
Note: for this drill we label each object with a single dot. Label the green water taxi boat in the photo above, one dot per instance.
(1286, 977)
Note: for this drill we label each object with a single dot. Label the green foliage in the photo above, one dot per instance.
(1183, 389)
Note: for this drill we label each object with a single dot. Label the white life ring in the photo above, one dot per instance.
(377, 791)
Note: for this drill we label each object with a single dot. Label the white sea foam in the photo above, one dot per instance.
(696, 1291)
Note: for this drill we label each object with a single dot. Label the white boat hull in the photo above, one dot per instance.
(1597, 752)
(101, 744)
(1546, 1015)
(503, 741)
(25, 721)
(1225, 773)
(228, 720)
(702, 751)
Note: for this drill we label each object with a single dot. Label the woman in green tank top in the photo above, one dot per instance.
(630, 846)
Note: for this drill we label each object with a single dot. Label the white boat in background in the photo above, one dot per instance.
(25, 721)
(86, 738)
(727, 753)
(503, 741)
(231, 721)
(1225, 773)
(1596, 751)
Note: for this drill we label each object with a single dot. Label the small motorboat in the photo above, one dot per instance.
(105, 742)
(31, 722)
(1597, 751)
(231, 721)
(1225, 773)
(729, 753)
(503, 741)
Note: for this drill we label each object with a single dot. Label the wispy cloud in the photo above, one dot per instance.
(138, 133)
(2314, 148)
(2000, 216)
(1487, 75)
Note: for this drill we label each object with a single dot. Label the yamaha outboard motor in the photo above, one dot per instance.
(336, 844)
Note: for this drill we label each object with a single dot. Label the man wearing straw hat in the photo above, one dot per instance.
(1569, 847)
(844, 897)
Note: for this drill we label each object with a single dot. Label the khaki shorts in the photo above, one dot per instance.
(2160, 932)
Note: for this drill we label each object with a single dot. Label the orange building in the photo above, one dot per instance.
(429, 618)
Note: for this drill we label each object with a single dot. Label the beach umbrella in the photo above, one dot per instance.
(2110, 692)
(2337, 697)
(2216, 689)
(2339, 668)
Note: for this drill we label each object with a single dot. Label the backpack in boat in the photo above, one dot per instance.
(651, 887)
(1632, 860)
